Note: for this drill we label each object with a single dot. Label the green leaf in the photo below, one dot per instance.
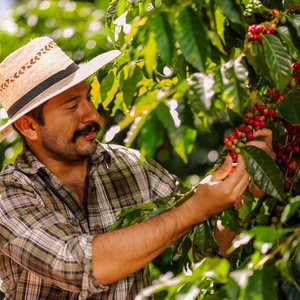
(290, 209)
(191, 35)
(235, 78)
(256, 59)
(234, 118)
(164, 36)
(151, 136)
(295, 21)
(183, 139)
(130, 85)
(266, 235)
(290, 108)
(231, 10)
(289, 37)
(230, 219)
(163, 114)
(266, 174)
(108, 88)
(262, 285)
(278, 60)
(150, 53)
(204, 237)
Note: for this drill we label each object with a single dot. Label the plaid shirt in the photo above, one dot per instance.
(46, 238)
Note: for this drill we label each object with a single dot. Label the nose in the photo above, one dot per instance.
(89, 113)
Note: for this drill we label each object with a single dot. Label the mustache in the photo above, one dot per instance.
(93, 127)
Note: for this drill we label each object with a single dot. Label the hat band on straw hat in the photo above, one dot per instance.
(41, 87)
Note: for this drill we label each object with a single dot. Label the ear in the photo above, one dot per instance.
(27, 127)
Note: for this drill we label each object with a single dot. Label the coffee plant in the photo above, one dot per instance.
(186, 66)
(204, 60)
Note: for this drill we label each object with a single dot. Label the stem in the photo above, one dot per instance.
(280, 247)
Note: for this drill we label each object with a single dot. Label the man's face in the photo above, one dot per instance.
(71, 125)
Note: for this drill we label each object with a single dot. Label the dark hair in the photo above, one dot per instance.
(37, 114)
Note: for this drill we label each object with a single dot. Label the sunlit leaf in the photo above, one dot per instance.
(264, 171)
(150, 52)
(235, 77)
(201, 91)
(108, 88)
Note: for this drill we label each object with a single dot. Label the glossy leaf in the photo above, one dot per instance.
(264, 171)
(290, 38)
(256, 58)
(191, 35)
(235, 79)
(204, 237)
(290, 108)
(278, 60)
(201, 91)
(164, 36)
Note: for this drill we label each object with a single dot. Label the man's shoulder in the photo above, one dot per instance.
(115, 149)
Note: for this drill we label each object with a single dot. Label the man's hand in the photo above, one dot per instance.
(263, 140)
(220, 190)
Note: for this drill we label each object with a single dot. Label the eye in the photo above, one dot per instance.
(73, 107)
(89, 97)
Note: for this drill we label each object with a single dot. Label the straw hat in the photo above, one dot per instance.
(37, 72)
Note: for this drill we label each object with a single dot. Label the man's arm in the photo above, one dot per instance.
(120, 253)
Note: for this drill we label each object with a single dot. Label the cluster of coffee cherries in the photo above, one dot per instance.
(296, 73)
(254, 119)
(287, 155)
(256, 31)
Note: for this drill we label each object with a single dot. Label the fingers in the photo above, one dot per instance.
(224, 170)
(265, 133)
(240, 169)
(241, 186)
(266, 143)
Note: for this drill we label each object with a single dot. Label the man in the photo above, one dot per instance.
(65, 190)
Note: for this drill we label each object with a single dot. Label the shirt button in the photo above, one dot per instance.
(97, 227)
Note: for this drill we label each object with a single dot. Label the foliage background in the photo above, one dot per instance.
(187, 74)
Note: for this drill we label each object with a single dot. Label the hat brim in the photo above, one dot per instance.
(84, 71)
